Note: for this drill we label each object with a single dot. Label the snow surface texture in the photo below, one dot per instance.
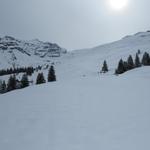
(83, 110)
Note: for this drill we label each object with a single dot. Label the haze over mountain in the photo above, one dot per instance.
(74, 24)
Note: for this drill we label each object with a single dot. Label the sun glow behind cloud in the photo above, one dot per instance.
(118, 5)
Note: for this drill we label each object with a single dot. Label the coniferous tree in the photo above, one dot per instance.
(125, 66)
(3, 87)
(130, 62)
(11, 83)
(121, 68)
(137, 61)
(40, 79)
(146, 59)
(0, 83)
(51, 74)
(28, 70)
(139, 52)
(105, 67)
(1, 91)
(4, 90)
(24, 81)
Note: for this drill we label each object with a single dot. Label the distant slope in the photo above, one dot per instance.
(76, 63)
(14, 52)
(89, 61)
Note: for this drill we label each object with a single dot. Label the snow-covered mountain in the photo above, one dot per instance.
(89, 61)
(83, 110)
(14, 52)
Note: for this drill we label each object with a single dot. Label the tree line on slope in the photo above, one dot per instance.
(51, 76)
(130, 64)
(27, 70)
(14, 83)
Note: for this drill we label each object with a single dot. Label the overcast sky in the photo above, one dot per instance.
(73, 24)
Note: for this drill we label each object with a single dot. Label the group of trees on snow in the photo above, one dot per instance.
(14, 83)
(27, 70)
(51, 76)
(130, 64)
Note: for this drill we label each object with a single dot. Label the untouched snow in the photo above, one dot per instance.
(83, 110)
(109, 113)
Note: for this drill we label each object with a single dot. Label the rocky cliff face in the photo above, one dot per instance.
(13, 50)
(34, 47)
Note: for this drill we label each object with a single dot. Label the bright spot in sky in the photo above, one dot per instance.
(118, 4)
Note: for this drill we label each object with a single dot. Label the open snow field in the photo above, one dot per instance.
(83, 110)
(109, 113)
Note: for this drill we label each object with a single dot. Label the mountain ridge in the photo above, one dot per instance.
(12, 51)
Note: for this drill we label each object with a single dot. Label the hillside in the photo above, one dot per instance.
(109, 113)
(89, 61)
(83, 110)
(16, 53)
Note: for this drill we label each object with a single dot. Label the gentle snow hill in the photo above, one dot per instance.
(88, 62)
(83, 110)
(99, 112)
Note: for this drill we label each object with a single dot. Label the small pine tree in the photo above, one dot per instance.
(146, 59)
(1, 91)
(24, 81)
(137, 61)
(40, 79)
(11, 83)
(51, 74)
(121, 68)
(0, 86)
(105, 67)
(139, 52)
(4, 89)
(130, 62)
(125, 66)
(29, 71)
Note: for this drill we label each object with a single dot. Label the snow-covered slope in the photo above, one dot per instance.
(99, 112)
(83, 110)
(89, 61)
(14, 52)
